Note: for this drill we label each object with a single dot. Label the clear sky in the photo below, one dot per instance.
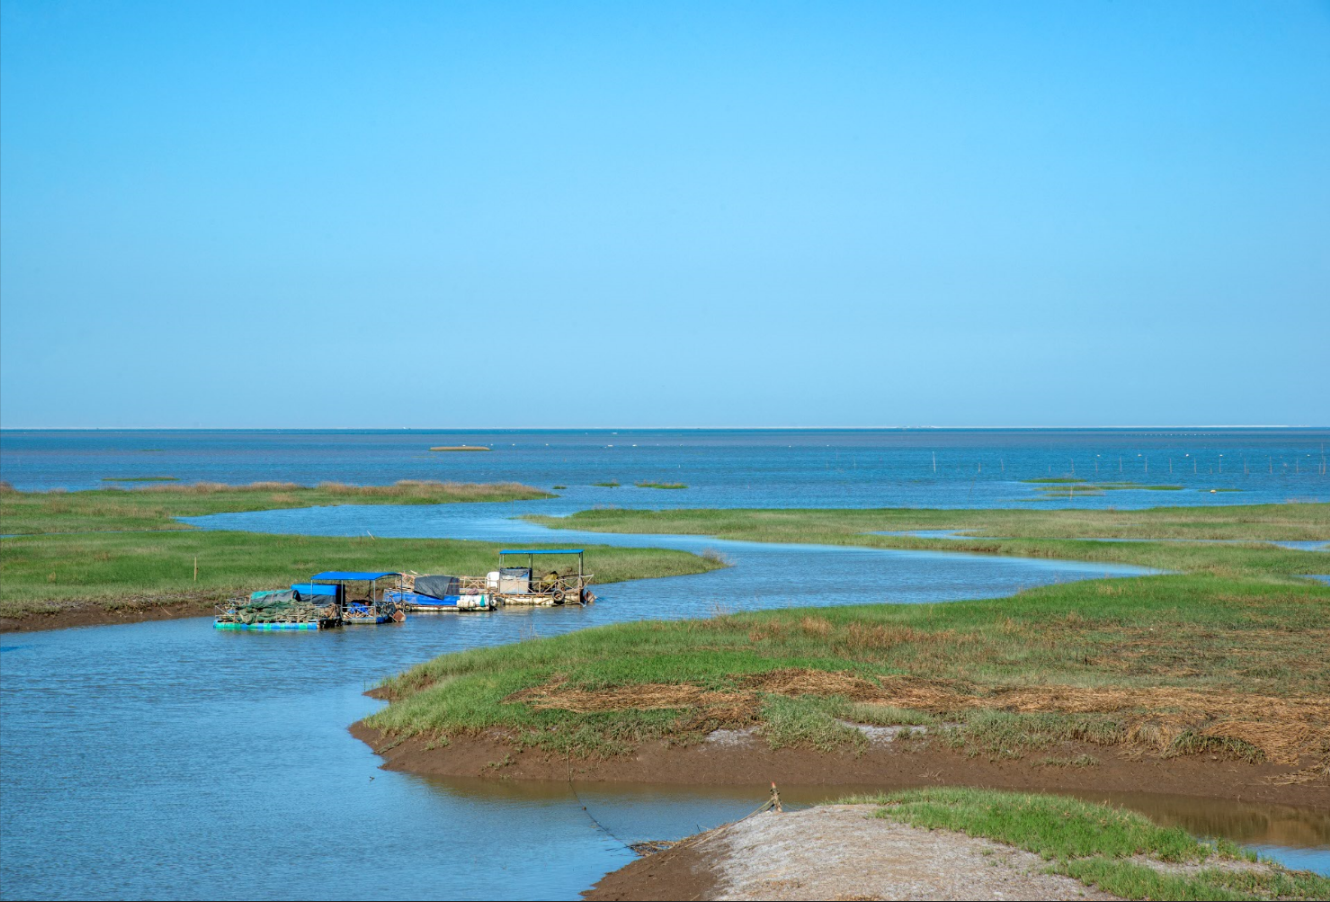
(674, 214)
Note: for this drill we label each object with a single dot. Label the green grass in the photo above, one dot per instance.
(1190, 631)
(46, 573)
(1067, 534)
(156, 507)
(1003, 734)
(117, 548)
(1078, 761)
(807, 722)
(1095, 844)
(886, 715)
(607, 485)
(1233, 619)
(660, 485)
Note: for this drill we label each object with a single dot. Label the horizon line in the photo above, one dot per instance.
(637, 428)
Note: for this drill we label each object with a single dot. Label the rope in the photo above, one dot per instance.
(568, 757)
(771, 804)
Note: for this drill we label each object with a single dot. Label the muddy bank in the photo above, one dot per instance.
(836, 852)
(745, 760)
(93, 614)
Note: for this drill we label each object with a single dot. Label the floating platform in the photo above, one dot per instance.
(270, 627)
(415, 603)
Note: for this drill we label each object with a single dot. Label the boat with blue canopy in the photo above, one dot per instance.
(359, 596)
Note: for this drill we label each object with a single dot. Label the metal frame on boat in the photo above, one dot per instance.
(284, 609)
(458, 593)
(377, 606)
(527, 586)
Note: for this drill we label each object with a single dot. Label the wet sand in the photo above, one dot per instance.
(94, 614)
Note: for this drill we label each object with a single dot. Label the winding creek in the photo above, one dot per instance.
(168, 759)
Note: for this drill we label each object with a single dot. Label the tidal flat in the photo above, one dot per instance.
(1209, 676)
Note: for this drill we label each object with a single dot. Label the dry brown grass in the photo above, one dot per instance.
(1285, 730)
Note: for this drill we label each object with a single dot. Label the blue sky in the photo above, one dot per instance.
(563, 214)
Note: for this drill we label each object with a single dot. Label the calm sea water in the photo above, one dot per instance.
(734, 468)
(169, 760)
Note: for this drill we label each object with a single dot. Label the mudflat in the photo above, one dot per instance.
(730, 759)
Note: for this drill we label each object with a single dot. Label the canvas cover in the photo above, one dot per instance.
(277, 597)
(436, 586)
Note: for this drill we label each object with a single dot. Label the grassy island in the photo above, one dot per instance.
(104, 555)
(1222, 658)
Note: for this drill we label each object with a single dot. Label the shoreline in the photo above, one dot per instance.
(835, 852)
(909, 845)
(92, 614)
(921, 764)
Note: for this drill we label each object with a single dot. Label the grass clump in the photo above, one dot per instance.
(1129, 880)
(612, 484)
(876, 715)
(807, 722)
(1193, 742)
(1050, 826)
(1077, 761)
(660, 485)
(1003, 734)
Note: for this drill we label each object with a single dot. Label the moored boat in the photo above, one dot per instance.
(531, 586)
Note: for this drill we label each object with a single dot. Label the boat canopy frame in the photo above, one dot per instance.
(532, 552)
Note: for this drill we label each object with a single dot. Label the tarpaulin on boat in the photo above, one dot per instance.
(353, 575)
(308, 589)
(437, 586)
